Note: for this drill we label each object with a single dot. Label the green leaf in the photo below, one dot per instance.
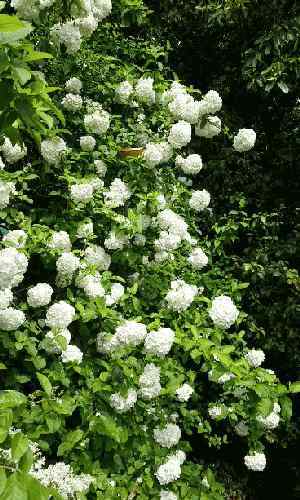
(265, 407)
(11, 399)
(286, 407)
(45, 383)
(15, 488)
(5, 423)
(294, 386)
(22, 74)
(19, 445)
(26, 461)
(69, 442)
(2, 479)
(10, 23)
(104, 424)
(35, 55)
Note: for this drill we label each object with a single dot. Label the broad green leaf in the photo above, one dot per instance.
(5, 423)
(26, 461)
(104, 424)
(19, 445)
(34, 55)
(10, 23)
(22, 74)
(2, 479)
(45, 383)
(15, 488)
(69, 442)
(11, 399)
(295, 386)
(265, 407)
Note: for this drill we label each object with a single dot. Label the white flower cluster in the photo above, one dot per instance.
(16, 238)
(130, 333)
(244, 140)
(256, 461)
(87, 143)
(199, 200)
(72, 102)
(255, 357)
(181, 295)
(272, 420)
(184, 107)
(171, 469)
(155, 154)
(167, 495)
(116, 293)
(82, 193)
(11, 319)
(180, 134)
(184, 392)
(6, 297)
(144, 91)
(96, 256)
(13, 152)
(100, 167)
(215, 411)
(39, 295)
(149, 382)
(168, 436)
(30, 9)
(91, 285)
(85, 230)
(124, 91)
(72, 354)
(60, 241)
(73, 85)
(173, 231)
(117, 195)
(209, 128)
(198, 259)
(53, 150)
(159, 342)
(223, 312)
(60, 315)
(6, 190)
(190, 165)
(66, 34)
(121, 404)
(66, 265)
(61, 477)
(116, 241)
(2, 165)
(97, 122)
(13, 266)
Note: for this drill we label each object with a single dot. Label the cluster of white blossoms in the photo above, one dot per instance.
(83, 192)
(167, 437)
(159, 342)
(7, 189)
(72, 102)
(197, 258)
(255, 357)
(223, 312)
(124, 91)
(73, 85)
(209, 127)
(190, 165)
(6, 297)
(130, 333)
(171, 470)
(13, 265)
(60, 241)
(255, 461)
(116, 241)
(53, 150)
(180, 134)
(91, 285)
(85, 230)
(30, 9)
(87, 143)
(149, 382)
(15, 238)
(199, 200)
(244, 140)
(117, 195)
(97, 122)
(155, 154)
(167, 495)
(95, 256)
(184, 107)
(100, 167)
(39, 295)
(184, 392)
(173, 231)
(61, 477)
(272, 420)
(215, 411)
(11, 319)
(116, 293)
(60, 315)
(66, 265)
(13, 152)
(144, 91)
(181, 295)
(72, 354)
(121, 404)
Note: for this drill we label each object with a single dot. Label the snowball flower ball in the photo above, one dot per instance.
(152, 154)
(190, 165)
(210, 129)
(53, 150)
(13, 152)
(72, 354)
(180, 134)
(223, 312)
(168, 436)
(16, 238)
(11, 319)
(256, 461)
(181, 295)
(167, 495)
(255, 357)
(211, 103)
(6, 297)
(123, 91)
(100, 167)
(82, 193)
(244, 140)
(184, 392)
(97, 122)
(144, 90)
(74, 85)
(199, 200)
(60, 315)
(87, 143)
(171, 469)
(198, 259)
(60, 241)
(39, 295)
(72, 102)
(131, 333)
(159, 342)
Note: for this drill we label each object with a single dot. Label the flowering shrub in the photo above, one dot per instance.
(113, 324)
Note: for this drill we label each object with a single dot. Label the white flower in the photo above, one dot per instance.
(215, 412)
(242, 429)
(244, 140)
(198, 259)
(60, 241)
(121, 404)
(60, 315)
(87, 143)
(13, 266)
(167, 241)
(255, 461)
(190, 165)
(199, 200)
(39, 295)
(180, 134)
(144, 90)
(117, 195)
(184, 107)
(2, 165)
(205, 482)
(97, 122)
(116, 241)
(91, 285)
(139, 240)
(67, 263)
(85, 229)
(67, 34)
(101, 9)
(210, 129)
(184, 392)
(11, 319)
(152, 154)
(223, 312)
(167, 495)
(168, 436)
(131, 333)
(72, 354)
(82, 193)
(255, 357)
(16, 238)
(72, 102)
(100, 167)
(116, 293)
(211, 103)
(159, 342)
(96, 256)
(272, 420)
(13, 152)
(149, 382)
(171, 469)
(87, 25)
(6, 297)
(6, 190)
(172, 222)
(181, 295)
(166, 151)
(225, 378)
(53, 150)
(123, 91)
(73, 85)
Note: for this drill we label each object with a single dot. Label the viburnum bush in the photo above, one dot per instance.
(120, 340)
